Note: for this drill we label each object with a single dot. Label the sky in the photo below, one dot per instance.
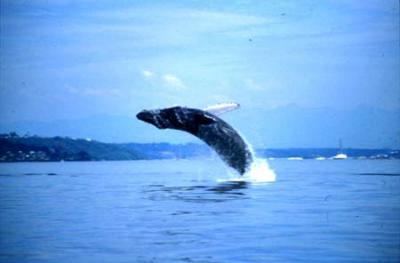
(65, 59)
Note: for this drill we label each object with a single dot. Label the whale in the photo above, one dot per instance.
(208, 127)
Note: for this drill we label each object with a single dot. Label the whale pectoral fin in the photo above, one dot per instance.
(222, 108)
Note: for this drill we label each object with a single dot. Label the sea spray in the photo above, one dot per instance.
(258, 172)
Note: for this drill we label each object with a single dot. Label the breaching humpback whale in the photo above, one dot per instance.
(205, 125)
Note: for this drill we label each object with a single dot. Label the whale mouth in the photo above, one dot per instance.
(150, 116)
(145, 116)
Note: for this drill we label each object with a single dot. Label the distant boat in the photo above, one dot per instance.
(295, 158)
(340, 155)
(320, 158)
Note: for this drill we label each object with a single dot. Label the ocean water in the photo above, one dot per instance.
(195, 211)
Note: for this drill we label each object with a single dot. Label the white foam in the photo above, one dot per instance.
(258, 173)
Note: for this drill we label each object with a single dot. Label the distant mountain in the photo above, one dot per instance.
(167, 150)
(111, 129)
(295, 127)
(283, 127)
(14, 148)
(312, 153)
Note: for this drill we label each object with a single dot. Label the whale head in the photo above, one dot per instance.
(176, 118)
(153, 117)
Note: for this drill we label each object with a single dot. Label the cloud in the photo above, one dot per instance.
(146, 27)
(173, 81)
(148, 74)
(168, 80)
(201, 19)
(391, 6)
(95, 92)
(102, 92)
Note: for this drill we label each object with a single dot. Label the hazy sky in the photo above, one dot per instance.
(68, 59)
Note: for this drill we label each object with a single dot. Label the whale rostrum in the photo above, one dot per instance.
(215, 132)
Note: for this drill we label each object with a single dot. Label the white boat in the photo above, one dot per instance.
(320, 158)
(295, 158)
(340, 156)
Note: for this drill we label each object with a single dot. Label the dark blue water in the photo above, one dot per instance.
(180, 211)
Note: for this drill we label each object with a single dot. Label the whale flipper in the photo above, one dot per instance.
(218, 134)
(221, 108)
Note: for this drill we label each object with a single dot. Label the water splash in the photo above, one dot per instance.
(260, 172)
